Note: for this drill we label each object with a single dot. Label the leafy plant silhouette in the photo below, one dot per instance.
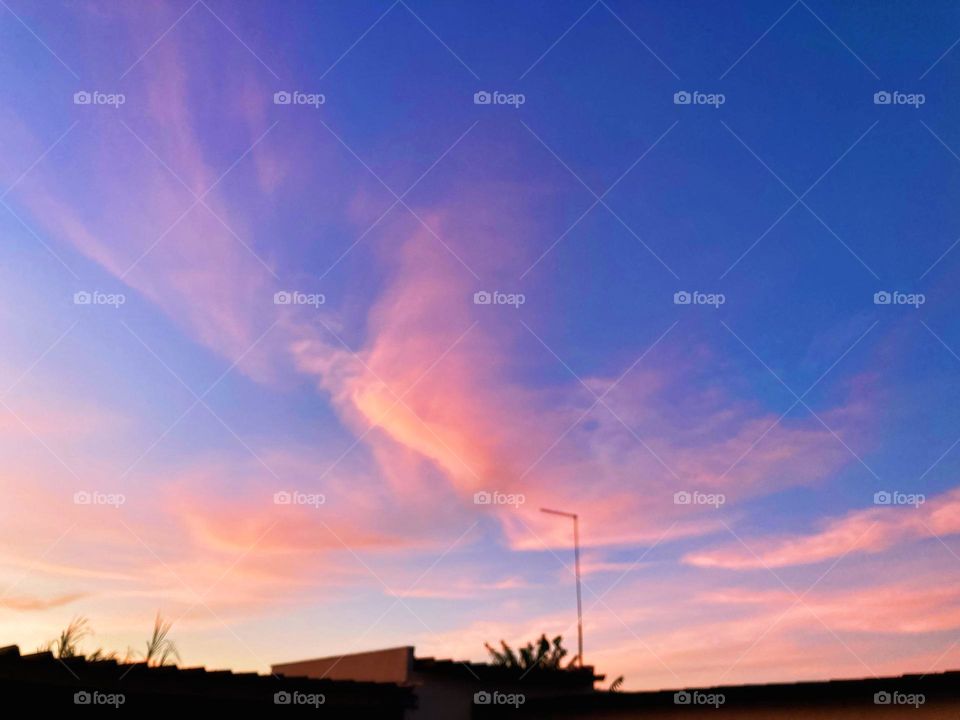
(541, 654)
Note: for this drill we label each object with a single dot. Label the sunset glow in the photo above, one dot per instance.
(301, 322)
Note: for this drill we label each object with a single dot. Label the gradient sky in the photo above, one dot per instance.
(399, 398)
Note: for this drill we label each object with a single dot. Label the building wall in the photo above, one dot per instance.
(392, 665)
(441, 695)
(441, 698)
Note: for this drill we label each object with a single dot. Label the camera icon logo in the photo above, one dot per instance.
(882, 98)
(882, 498)
(82, 497)
(682, 97)
(882, 698)
(282, 698)
(282, 298)
(82, 698)
(882, 297)
(682, 498)
(482, 698)
(482, 297)
(482, 97)
(282, 97)
(82, 97)
(82, 297)
(282, 498)
(682, 297)
(482, 498)
(682, 698)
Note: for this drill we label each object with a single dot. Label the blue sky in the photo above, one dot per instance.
(784, 206)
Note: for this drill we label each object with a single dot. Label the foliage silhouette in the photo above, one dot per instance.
(542, 654)
(160, 648)
(67, 644)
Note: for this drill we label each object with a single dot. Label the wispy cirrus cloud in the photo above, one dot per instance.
(27, 603)
(441, 398)
(463, 412)
(440, 383)
(862, 531)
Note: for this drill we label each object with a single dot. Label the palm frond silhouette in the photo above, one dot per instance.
(543, 654)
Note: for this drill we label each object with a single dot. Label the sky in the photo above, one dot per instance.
(306, 309)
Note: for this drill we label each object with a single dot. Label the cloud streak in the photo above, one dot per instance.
(861, 531)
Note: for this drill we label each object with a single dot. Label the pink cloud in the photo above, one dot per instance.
(685, 632)
(121, 201)
(861, 531)
(465, 420)
(464, 588)
(436, 377)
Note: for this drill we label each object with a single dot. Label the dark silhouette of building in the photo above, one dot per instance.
(393, 684)
(922, 697)
(448, 689)
(41, 680)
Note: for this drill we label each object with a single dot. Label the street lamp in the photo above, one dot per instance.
(576, 558)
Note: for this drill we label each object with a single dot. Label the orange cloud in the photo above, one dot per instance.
(24, 602)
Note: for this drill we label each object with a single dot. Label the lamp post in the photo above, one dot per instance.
(576, 558)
